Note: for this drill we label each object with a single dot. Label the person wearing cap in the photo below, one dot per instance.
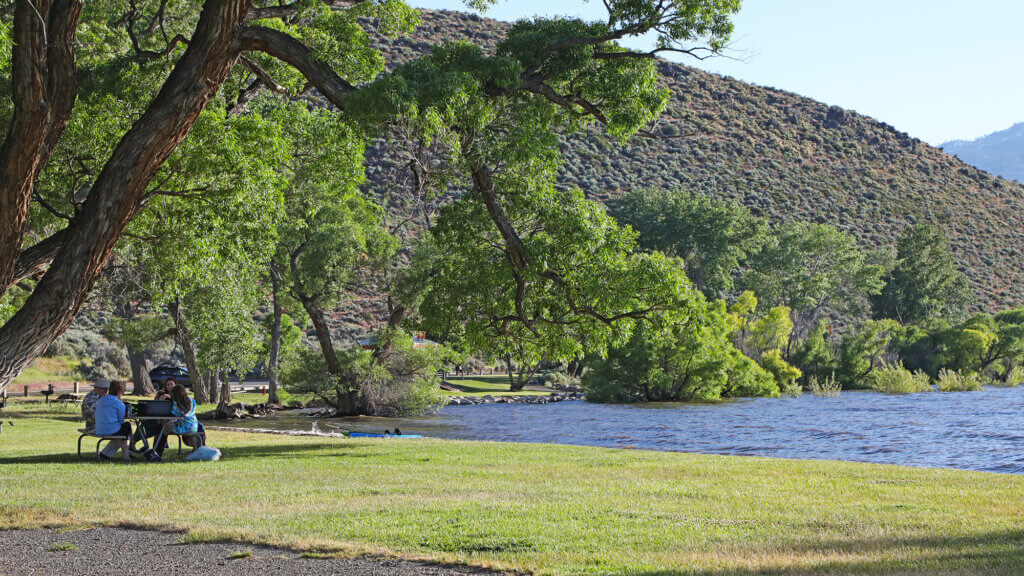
(99, 390)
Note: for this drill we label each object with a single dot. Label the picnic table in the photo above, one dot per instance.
(69, 398)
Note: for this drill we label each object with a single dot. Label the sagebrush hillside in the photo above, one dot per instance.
(782, 155)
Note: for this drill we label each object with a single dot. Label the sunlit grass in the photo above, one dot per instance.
(494, 385)
(44, 370)
(541, 508)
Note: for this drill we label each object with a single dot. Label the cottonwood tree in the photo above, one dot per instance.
(177, 59)
(525, 268)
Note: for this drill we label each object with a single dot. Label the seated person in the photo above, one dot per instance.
(187, 423)
(110, 413)
(149, 428)
(99, 390)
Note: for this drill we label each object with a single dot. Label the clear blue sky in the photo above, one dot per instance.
(936, 69)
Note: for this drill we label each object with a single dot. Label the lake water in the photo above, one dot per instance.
(968, 430)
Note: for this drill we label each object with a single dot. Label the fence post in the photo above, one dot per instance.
(76, 387)
(26, 391)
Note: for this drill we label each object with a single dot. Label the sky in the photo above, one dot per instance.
(936, 69)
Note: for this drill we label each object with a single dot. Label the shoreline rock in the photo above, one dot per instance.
(490, 399)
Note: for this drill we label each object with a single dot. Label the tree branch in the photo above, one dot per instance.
(293, 52)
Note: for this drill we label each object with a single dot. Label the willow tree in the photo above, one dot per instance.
(73, 64)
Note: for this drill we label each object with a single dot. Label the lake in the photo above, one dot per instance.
(967, 430)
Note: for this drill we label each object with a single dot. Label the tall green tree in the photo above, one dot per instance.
(714, 237)
(926, 282)
(813, 269)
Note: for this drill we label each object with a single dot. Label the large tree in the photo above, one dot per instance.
(175, 59)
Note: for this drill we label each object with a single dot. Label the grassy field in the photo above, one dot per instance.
(495, 385)
(531, 507)
(47, 369)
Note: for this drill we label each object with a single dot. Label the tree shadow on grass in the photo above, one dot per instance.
(988, 553)
(251, 451)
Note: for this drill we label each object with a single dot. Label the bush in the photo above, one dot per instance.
(1013, 379)
(826, 387)
(403, 382)
(953, 381)
(784, 374)
(895, 379)
(556, 380)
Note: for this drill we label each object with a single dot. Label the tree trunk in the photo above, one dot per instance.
(225, 388)
(213, 386)
(184, 338)
(120, 186)
(141, 384)
(348, 396)
(275, 334)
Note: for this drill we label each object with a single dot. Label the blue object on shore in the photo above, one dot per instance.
(363, 435)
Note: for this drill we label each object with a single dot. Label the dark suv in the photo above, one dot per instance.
(161, 374)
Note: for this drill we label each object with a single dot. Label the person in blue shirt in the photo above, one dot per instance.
(187, 423)
(110, 413)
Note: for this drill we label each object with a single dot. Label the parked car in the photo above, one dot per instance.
(161, 374)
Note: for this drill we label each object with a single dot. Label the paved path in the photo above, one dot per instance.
(130, 551)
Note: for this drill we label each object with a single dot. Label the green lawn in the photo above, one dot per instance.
(45, 369)
(541, 508)
(496, 385)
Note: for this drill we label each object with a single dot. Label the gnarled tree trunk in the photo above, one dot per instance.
(142, 385)
(348, 396)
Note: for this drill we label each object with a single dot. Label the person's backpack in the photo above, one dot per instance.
(204, 454)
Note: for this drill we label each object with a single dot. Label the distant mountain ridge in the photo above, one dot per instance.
(782, 155)
(1000, 153)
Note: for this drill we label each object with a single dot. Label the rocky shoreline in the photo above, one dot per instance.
(509, 399)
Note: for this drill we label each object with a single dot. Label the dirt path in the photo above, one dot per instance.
(131, 551)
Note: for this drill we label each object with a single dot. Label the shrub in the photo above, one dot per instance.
(784, 374)
(825, 387)
(403, 382)
(895, 379)
(953, 381)
(555, 379)
(1014, 378)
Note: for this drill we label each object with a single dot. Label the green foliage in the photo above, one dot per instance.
(714, 237)
(585, 285)
(953, 381)
(1013, 379)
(866, 349)
(782, 372)
(678, 358)
(926, 282)
(403, 383)
(771, 331)
(811, 268)
(142, 332)
(827, 387)
(815, 356)
(895, 379)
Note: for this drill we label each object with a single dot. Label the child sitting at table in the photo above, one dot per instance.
(187, 423)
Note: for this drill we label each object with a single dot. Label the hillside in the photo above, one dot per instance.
(782, 155)
(1000, 153)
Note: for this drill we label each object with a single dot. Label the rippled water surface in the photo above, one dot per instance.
(969, 430)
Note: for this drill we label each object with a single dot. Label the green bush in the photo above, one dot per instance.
(828, 386)
(784, 374)
(953, 381)
(403, 382)
(895, 379)
(1013, 379)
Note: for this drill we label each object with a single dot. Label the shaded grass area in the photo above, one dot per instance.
(542, 508)
(497, 384)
